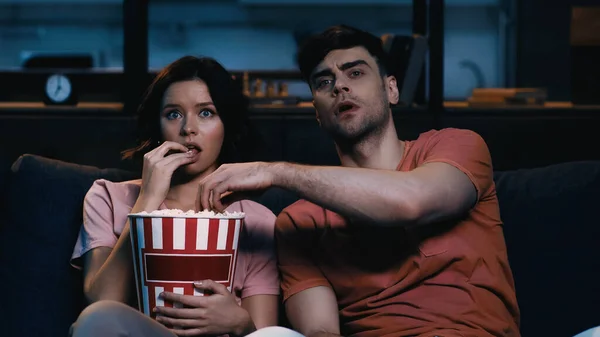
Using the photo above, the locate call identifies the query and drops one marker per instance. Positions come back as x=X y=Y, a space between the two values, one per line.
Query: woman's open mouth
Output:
x=193 y=148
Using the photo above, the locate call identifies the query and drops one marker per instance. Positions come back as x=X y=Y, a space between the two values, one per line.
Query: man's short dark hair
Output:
x=315 y=48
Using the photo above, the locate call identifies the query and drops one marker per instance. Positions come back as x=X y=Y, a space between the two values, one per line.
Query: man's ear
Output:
x=392 y=89
x=316 y=113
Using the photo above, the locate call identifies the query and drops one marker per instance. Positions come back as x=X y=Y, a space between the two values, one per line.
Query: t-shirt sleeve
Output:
x=262 y=277
x=98 y=227
x=465 y=150
x=294 y=239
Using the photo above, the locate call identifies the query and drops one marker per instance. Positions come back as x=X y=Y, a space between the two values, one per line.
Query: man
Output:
x=405 y=238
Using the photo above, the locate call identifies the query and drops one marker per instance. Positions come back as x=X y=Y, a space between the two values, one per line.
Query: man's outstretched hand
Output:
x=230 y=182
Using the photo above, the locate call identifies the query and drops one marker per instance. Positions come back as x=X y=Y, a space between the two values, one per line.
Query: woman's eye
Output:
x=206 y=113
x=173 y=114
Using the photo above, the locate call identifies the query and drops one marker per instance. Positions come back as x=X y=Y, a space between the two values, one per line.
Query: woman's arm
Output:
x=263 y=309
x=108 y=272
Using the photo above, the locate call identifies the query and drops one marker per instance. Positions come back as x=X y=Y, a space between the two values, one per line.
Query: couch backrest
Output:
x=38 y=230
x=552 y=232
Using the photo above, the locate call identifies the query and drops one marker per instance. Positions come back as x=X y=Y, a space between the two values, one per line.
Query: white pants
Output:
x=593 y=332
x=114 y=319
x=275 y=331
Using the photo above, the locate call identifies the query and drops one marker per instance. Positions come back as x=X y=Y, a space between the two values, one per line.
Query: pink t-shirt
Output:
x=105 y=210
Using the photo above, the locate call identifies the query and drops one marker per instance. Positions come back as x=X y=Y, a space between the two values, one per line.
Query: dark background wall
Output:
x=543 y=50
x=516 y=138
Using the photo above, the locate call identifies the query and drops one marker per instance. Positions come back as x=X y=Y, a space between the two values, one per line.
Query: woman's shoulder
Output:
x=124 y=191
x=112 y=186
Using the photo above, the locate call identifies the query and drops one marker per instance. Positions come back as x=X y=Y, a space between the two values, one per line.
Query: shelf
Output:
x=369 y=3
x=450 y=106
x=547 y=105
x=61 y=2
x=457 y=106
x=79 y=106
x=264 y=2
x=305 y=110
x=40 y=110
x=116 y=109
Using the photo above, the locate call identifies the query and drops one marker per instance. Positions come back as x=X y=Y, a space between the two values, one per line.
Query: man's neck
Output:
x=380 y=150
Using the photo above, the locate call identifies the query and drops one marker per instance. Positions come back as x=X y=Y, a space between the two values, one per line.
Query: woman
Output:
x=190 y=120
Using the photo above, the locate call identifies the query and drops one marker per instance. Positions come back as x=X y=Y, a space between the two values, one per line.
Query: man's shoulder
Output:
x=447 y=140
x=445 y=133
x=302 y=213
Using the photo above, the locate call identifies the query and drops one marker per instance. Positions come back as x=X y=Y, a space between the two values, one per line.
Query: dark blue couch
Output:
x=552 y=230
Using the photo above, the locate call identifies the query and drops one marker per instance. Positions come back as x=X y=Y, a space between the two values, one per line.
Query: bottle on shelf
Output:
x=258 y=88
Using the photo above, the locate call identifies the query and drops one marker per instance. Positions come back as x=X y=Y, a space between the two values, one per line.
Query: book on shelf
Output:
x=507 y=96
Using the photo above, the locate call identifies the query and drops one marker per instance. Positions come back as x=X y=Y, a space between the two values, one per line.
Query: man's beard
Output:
x=354 y=132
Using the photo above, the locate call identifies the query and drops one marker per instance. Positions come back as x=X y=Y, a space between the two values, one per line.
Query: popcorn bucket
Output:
x=170 y=252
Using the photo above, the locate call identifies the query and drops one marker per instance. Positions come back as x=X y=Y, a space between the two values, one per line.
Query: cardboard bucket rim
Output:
x=187 y=216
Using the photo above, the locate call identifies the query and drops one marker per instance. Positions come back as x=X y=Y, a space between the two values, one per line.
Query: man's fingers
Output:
x=216 y=196
x=210 y=200
x=200 y=201
x=207 y=188
x=205 y=197
x=210 y=185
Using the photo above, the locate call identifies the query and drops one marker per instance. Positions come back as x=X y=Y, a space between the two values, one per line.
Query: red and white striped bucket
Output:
x=171 y=252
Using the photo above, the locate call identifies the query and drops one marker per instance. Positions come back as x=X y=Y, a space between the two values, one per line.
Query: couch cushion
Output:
x=552 y=229
x=44 y=200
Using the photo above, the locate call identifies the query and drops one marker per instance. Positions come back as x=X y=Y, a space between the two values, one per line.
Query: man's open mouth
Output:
x=345 y=107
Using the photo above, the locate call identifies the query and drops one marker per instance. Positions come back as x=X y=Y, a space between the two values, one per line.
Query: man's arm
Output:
x=456 y=169
x=314 y=312
x=429 y=193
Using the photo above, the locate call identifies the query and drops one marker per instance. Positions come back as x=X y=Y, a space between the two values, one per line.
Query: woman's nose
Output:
x=189 y=128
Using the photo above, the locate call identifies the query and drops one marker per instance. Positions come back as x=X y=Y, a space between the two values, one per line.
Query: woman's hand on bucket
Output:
x=216 y=313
